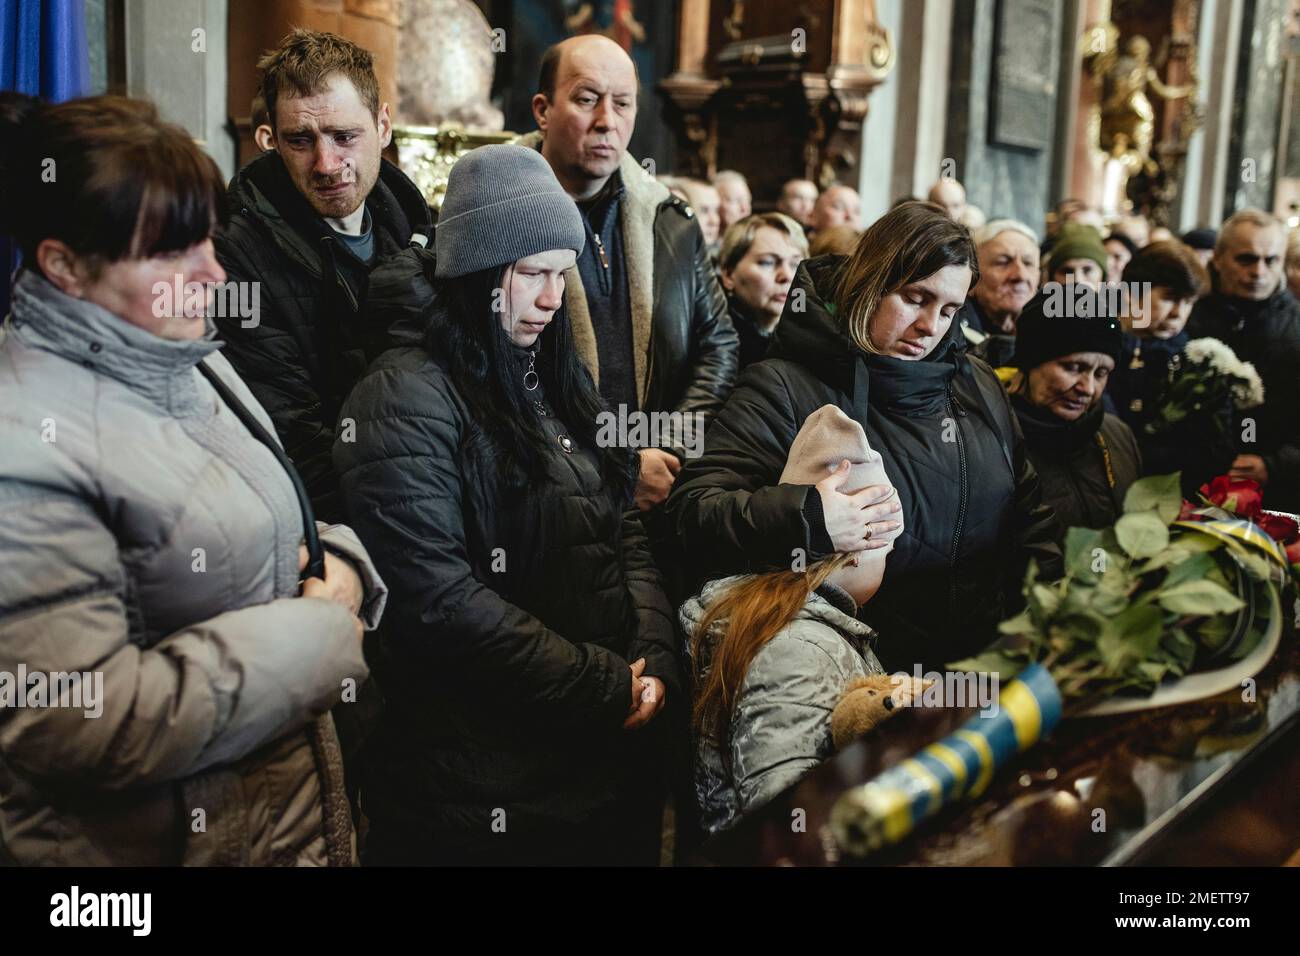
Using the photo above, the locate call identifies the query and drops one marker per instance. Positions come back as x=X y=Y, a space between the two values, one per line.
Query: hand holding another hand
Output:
x=859 y=521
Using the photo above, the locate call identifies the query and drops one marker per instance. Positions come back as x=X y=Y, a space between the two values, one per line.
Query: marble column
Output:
x=176 y=56
x=1253 y=156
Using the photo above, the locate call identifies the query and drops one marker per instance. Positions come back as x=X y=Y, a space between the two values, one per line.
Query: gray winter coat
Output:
x=781 y=727
x=147 y=537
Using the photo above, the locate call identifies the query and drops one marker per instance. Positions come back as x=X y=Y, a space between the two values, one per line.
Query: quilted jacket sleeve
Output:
x=781 y=727
x=207 y=694
x=727 y=507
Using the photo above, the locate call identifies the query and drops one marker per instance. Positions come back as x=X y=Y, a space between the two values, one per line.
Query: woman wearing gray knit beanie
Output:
x=529 y=650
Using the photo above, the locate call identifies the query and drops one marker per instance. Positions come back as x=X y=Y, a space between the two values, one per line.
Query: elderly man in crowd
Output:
x=706 y=202
x=1253 y=314
x=733 y=191
x=838 y=206
x=1008 y=259
x=951 y=196
x=798 y=197
x=649 y=317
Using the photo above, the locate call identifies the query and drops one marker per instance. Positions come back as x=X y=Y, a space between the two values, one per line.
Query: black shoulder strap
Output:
x=315 y=555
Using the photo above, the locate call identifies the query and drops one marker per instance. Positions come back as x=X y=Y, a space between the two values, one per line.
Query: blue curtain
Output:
x=43 y=52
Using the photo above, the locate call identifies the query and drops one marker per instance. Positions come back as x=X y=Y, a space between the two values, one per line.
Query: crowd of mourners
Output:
x=363 y=573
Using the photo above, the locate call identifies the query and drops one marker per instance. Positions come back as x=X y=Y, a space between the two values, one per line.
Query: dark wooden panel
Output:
x=765 y=18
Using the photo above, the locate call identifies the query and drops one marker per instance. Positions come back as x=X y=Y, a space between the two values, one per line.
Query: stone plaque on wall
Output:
x=1291 y=165
x=1024 y=73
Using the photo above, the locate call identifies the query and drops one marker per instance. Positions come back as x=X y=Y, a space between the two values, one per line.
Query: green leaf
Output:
x=1170 y=555
x=1196 y=541
x=1109 y=602
x=1179 y=650
x=1200 y=597
x=1142 y=534
x=1196 y=566
x=1161 y=494
x=990 y=662
x=1044 y=599
x=1140 y=627
x=1153 y=671
x=1265 y=595
x=1022 y=623
x=1129 y=637
x=1256 y=565
x=1080 y=552
x=1249 y=641
x=1213 y=632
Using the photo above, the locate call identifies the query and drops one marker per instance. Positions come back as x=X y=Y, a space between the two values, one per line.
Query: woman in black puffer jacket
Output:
x=872 y=333
x=529 y=639
x=1085 y=457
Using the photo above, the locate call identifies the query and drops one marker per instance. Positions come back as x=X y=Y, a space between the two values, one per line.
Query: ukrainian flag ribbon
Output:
x=890 y=806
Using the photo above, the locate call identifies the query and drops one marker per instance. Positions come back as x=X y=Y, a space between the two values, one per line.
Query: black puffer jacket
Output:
x=314 y=333
x=971 y=501
x=1266 y=334
x=512 y=624
x=1086 y=466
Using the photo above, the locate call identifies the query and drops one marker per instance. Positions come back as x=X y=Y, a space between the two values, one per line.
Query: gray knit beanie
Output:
x=503 y=203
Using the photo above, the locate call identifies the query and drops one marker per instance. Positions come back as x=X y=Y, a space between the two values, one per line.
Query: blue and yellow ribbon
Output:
x=887 y=808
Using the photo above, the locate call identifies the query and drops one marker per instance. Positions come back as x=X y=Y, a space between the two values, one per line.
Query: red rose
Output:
x=1278 y=527
x=1293 y=552
x=1239 y=496
x=1188 y=512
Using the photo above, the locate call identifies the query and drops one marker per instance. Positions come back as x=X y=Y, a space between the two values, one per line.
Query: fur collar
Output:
x=640 y=204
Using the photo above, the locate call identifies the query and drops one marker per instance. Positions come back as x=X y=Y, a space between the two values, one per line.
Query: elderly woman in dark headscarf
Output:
x=1085 y=458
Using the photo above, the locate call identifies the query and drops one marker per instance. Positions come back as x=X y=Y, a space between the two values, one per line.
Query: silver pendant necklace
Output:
x=531 y=378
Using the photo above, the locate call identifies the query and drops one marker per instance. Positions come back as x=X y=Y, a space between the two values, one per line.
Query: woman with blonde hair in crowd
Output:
x=756 y=264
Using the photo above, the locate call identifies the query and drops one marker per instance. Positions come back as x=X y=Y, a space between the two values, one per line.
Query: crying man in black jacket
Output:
x=312 y=221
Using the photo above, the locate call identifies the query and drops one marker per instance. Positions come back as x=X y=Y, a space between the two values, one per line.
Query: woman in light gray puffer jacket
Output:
x=149 y=542
x=773 y=654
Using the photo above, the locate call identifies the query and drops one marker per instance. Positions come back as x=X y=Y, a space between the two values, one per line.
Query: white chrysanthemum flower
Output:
x=1213 y=353
x=1248 y=387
